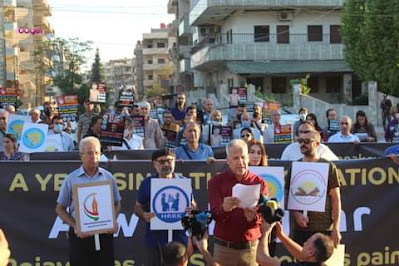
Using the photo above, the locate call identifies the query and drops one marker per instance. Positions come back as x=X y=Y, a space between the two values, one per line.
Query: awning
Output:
x=286 y=67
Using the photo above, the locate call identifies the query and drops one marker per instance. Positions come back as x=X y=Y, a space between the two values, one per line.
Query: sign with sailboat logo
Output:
x=94 y=207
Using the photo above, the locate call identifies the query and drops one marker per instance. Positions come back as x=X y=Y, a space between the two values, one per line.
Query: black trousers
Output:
x=82 y=252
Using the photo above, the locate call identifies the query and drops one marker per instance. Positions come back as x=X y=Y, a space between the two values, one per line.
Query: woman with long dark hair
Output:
x=10 y=152
x=257 y=153
x=312 y=118
x=363 y=127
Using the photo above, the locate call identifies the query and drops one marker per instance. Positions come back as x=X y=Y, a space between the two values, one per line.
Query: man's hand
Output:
x=250 y=214
x=202 y=244
x=394 y=158
x=279 y=230
x=147 y=216
x=300 y=219
x=82 y=235
x=210 y=160
x=336 y=236
x=5 y=252
x=266 y=227
x=229 y=203
x=113 y=230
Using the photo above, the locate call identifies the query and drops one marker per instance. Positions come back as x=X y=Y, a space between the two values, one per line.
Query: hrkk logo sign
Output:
x=170 y=204
x=91 y=210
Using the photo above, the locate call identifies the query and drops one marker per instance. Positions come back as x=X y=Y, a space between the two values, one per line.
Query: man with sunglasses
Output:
x=344 y=134
x=317 y=222
x=163 y=161
x=293 y=151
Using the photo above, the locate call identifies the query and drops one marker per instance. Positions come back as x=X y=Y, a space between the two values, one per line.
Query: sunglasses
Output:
x=305 y=141
x=246 y=135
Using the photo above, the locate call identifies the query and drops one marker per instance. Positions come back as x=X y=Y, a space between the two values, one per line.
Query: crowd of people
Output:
x=241 y=235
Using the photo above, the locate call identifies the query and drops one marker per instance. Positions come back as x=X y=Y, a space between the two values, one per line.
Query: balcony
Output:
x=245 y=47
x=155 y=51
x=184 y=26
x=205 y=10
x=148 y=83
x=185 y=52
x=153 y=66
x=185 y=65
x=42 y=22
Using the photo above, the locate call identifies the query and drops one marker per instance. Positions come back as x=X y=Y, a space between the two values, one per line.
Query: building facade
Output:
x=119 y=73
x=268 y=44
x=153 y=63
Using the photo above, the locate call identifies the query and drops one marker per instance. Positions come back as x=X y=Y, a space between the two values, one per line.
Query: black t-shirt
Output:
x=301 y=264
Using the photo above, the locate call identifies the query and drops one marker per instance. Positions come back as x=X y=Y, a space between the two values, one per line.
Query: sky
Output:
x=113 y=26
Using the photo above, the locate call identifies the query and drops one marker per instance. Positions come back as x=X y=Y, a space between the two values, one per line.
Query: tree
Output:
x=67 y=57
x=370 y=32
x=156 y=90
x=96 y=69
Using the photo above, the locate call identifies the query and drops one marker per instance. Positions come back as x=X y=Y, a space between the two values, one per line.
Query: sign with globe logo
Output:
x=169 y=200
x=15 y=124
x=33 y=138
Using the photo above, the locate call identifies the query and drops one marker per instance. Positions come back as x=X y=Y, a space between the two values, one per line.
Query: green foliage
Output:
x=265 y=97
x=370 y=32
x=156 y=90
x=96 y=69
x=303 y=82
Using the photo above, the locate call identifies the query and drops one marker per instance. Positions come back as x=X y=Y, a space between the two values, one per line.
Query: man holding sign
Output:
x=163 y=161
x=82 y=245
x=327 y=222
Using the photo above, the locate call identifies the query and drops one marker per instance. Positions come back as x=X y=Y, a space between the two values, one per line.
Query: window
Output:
x=335 y=36
x=315 y=33
x=149 y=62
x=230 y=83
x=149 y=45
x=161 y=61
x=333 y=84
x=161 y=45
x=150 y=77
x=279 y=85
x=313 y=83
x=283 y=34
x=262 y=34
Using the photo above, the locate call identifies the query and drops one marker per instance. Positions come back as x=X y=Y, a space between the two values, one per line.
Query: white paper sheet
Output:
x=247 y=194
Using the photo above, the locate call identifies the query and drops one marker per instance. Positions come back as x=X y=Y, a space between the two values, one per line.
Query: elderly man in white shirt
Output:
x=344 y=134
x=293 y=151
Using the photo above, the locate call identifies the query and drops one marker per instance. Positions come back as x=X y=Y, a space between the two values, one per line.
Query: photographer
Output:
x=315 y=251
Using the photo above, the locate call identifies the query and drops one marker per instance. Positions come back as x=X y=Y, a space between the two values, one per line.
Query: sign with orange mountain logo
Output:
x=308 y=186
x=94 y=205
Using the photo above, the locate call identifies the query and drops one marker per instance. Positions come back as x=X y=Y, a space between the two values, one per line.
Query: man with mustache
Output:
x=324 y=222
x=163 y=161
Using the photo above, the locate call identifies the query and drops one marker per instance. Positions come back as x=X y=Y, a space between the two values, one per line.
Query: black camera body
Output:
x=269 y=208
x=197 y=223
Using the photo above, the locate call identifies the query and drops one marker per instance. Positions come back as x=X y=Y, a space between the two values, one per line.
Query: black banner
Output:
x=273 y=151
x=370 y=196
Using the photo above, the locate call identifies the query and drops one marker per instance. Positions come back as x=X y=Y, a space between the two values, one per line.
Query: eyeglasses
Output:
x=59 y=123
x=305 y=141
x=169 y=161
x=91 y=153
x=344 y=123
x=246 y=135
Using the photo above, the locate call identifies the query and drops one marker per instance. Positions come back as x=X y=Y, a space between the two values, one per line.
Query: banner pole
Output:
x=170 y=235
x=97 y=242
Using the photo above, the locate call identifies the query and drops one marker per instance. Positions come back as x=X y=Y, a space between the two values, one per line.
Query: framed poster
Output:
x=169 y=200
x=308 y=186
x=94 y=207
x=34 y=137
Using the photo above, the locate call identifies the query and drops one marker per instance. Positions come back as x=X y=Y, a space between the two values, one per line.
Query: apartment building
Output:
x=117 y=73
x=269 y=43
x=153 y=62
x=181 y=52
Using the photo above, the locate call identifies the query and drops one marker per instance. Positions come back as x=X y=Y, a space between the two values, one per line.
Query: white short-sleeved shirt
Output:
x=338 y=137
x=293 y=153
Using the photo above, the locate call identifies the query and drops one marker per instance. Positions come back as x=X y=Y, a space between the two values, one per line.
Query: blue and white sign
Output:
x=169 y=200
x=274 y=177
x=15 y=124
x=33 y=138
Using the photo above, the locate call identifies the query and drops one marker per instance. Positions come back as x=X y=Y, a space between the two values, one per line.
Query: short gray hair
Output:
x=34 y=110
x=87 y=140
x=144 y=104
x=347 y=118
x=237 y=143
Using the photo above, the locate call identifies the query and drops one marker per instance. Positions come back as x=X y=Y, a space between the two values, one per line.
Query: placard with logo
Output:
x=333 y=127
x=15 y=124
x=112 y=129
x=216 y=136
x=308 y=186
x=139 y=125
x=242 y=92
x=227 y=133
x=98 y=93
x=33 y=138
x=170 y=138
x=94 y=207
x=8 y=96
x=274 y=177
x=54 y=143
x=126 y=96
x=283 y=134
x=67 y=106
x=169 y=200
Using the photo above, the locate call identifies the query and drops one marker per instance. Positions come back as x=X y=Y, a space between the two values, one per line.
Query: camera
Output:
x=197 y=223
x=269 y=208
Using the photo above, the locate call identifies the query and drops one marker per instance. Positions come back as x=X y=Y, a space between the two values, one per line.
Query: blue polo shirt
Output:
x=203 y=152
x=156 y=238
x=393 y=149
x=177 y=114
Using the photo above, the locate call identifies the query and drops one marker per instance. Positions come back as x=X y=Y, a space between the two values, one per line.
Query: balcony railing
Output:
x=199 y=7
x=267 y=47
